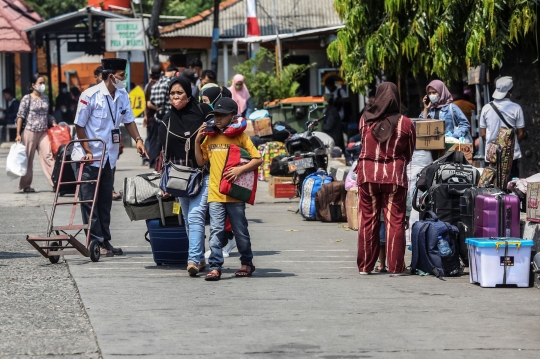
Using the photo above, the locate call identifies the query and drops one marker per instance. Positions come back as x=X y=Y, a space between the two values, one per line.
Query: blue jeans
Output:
x=194 y=213
x=237 y=215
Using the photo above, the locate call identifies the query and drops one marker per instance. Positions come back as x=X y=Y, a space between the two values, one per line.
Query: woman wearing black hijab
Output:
x=181 y=125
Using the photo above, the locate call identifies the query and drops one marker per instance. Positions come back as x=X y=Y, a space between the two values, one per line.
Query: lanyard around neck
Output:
x=110 y=110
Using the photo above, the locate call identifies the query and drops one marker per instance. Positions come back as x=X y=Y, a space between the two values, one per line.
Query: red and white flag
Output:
x=252 y=22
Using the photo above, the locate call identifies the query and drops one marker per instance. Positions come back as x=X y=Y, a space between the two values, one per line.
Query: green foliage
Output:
x=431 y=37
x=187 y=8
x=51 y=8
x=266 y=85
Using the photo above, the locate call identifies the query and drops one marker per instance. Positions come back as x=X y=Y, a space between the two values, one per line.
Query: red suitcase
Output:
x=496 y=216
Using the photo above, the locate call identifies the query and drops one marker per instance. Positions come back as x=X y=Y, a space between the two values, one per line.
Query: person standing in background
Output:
x=152 y=142
x=34 y=114
x=10 y=112
x=159 y=96
x=207 y=77
x=512 y=114
x=196 y=66
x=240 y=94
x=460 y=101
x=97 y=74
x=388 y=141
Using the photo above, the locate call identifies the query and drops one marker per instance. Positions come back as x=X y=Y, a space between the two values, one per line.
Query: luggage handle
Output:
x=515 y=243
x=431 y=213
x=456 y=191
x=146 y=236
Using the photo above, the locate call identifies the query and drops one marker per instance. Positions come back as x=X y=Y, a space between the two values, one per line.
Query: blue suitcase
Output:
x=168 y=239
x=170 y=243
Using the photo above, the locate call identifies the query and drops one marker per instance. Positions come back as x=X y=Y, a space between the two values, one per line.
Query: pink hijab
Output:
x=241 y=97
x=446 y=97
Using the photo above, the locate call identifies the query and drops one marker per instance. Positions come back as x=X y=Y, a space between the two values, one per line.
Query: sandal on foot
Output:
x=245 y=272
x=116 y=196
x=213 y=276
x=380 y=269
x=29 y=190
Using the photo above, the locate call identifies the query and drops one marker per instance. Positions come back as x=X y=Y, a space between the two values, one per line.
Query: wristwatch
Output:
x=138 y=138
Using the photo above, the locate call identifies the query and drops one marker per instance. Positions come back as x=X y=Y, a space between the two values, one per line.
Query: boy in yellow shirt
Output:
x=215 y=149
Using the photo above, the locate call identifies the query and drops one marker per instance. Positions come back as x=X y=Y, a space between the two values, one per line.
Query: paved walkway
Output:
x=306 y=299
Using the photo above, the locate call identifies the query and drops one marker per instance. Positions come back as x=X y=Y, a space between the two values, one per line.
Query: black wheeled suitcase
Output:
x=443 y=200
x=168 y=239
x=67 y=176
x=466 y=224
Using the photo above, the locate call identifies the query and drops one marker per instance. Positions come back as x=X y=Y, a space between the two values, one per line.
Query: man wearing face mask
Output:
x=101 y=110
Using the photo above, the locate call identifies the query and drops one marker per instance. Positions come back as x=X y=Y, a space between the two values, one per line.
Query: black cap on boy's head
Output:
x=225 y=105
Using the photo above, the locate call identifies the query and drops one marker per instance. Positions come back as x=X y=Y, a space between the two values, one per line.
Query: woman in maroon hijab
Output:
x=388 y=141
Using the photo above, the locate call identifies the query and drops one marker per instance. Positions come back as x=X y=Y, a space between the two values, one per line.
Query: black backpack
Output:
x=453 y=168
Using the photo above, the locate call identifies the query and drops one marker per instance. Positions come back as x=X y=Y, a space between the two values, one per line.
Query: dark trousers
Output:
x=153 y=147
x=101 y=219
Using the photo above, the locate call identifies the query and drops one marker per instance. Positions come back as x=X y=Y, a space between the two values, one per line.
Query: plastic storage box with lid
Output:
x=499 y=261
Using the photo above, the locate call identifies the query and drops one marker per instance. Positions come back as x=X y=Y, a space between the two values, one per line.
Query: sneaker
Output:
x=229 y=247
x=192 y=269
x=116 y=251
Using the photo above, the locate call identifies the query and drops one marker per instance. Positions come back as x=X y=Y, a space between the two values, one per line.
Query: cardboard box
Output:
x=263 y=127
x=250 y=131
x=533 y=202
x=429 y=134
x=466 y=148
x=281 y=187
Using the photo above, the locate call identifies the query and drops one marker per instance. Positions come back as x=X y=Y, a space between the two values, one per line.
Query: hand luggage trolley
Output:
x=58 y=241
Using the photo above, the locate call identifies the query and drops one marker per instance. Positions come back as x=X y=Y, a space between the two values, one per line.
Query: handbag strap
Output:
x=501 y=115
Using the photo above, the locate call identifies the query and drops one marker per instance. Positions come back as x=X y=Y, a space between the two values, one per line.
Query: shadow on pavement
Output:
x=13 y=255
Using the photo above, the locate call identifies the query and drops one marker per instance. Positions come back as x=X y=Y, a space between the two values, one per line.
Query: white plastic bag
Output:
x=16 y=161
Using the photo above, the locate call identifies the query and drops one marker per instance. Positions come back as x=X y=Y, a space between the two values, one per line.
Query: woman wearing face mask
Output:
x=241 y=96
x=34 y=114
x=179 y=126
x=211 y=95
x=438 y=105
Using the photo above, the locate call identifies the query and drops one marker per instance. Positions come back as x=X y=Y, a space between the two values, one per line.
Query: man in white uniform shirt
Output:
x=101 y=110
x=490 y=121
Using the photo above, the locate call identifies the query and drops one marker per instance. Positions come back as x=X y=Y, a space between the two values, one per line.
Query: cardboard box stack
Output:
x=281 y=187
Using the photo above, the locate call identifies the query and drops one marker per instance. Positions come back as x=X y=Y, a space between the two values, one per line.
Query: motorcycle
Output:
x=307 y=151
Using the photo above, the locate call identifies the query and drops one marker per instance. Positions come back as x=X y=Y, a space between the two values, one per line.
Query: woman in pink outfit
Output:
x=240 y=95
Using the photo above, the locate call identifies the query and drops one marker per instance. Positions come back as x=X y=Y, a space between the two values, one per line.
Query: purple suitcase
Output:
x=496 y=216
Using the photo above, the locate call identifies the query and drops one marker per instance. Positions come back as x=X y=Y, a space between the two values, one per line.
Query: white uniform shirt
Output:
x=512 y=113
x=94 y=115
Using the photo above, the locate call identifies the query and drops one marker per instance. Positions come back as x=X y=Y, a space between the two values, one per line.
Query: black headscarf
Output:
x=225 y=92
x=183 y=124
x=213 y=94
x=385 y=112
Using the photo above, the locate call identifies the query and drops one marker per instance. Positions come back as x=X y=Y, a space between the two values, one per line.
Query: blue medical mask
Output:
x=211 y=105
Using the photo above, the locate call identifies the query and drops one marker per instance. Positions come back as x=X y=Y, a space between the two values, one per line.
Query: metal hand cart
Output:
x=62 y=239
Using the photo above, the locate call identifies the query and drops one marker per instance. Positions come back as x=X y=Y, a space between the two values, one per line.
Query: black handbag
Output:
x=180 y=181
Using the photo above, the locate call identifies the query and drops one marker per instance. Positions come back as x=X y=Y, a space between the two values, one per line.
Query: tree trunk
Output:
x=215 y=38
x=153 y=31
